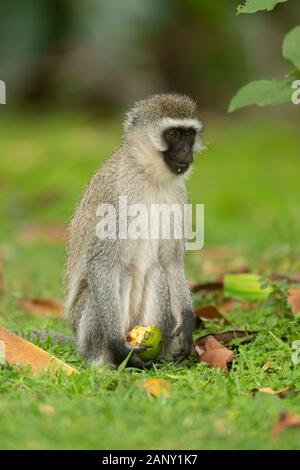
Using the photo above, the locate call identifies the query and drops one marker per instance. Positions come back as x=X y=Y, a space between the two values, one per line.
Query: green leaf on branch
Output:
x=252 y=6
x=262 y=93
x=291 y=46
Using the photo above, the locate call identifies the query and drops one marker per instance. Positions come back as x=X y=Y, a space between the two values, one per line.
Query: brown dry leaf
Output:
x=21 y=351
x=41 y=307
x=226 y=337
x=286 y=420
x=294 y=300
x=281 y=393
x=214 y=354
x=156 y=387
x=209 y=312
x=33 y=232
x=207 y=286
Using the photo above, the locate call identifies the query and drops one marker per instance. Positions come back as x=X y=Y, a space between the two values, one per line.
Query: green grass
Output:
x=248 y=180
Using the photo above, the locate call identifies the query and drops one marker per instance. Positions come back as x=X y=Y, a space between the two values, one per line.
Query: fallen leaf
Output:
x=34 y=232
x=208 y=286
x=209 y=312
x=156 y=387
x=21 y=351
x=2 y=353
x=214 y=353
x=286 y=420
x=41 y=307
x=226 y=337
x=281 y=393
x=294 y=300
x=266 y=366
x=47 y=409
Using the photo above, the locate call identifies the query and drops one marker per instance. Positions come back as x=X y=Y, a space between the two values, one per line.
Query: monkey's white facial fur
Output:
x=149 y=127
x=162 y=160
x=156 y=131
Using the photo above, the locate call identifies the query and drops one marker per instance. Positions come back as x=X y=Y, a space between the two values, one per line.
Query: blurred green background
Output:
x=103 y=54
x=72 y=68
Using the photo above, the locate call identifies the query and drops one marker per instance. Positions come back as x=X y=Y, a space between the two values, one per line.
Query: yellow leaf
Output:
x=156 y=387
x=47 y=409
x=21 y=351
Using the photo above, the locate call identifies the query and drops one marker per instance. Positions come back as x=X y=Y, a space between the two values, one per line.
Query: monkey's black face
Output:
x=179 y=154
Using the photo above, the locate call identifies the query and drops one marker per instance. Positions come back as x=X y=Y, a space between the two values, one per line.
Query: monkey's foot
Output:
x=177 y=330
x=185 y=342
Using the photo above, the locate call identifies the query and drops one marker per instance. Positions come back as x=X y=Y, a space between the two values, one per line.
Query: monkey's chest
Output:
x=145 y=253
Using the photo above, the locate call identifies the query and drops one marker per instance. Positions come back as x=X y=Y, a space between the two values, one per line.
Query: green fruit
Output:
x=148 y=336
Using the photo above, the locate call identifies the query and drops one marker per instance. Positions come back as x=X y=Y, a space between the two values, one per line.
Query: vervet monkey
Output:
x=115 y=284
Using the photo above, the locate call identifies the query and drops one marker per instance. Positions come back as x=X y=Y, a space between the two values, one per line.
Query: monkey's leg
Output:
x=90 y=335
x=181 y=306
x=99 y=335
x=155 y=307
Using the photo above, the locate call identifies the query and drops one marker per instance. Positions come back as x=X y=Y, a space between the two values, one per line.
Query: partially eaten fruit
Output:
x=147 y=336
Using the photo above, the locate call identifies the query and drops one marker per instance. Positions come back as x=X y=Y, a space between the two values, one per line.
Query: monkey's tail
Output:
x=43 y=336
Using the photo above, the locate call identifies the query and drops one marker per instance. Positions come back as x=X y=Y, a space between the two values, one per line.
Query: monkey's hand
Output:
x=135 y=360
x=184 y=332
x=121 y=351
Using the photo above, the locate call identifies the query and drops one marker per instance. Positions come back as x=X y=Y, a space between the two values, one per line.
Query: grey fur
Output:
x=100 y=272
x=158 y=106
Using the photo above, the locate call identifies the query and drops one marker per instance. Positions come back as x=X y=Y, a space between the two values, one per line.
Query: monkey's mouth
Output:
x=178 y=168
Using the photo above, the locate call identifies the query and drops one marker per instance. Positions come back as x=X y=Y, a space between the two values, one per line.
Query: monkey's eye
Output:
x=188 y=133
x=172 y=134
